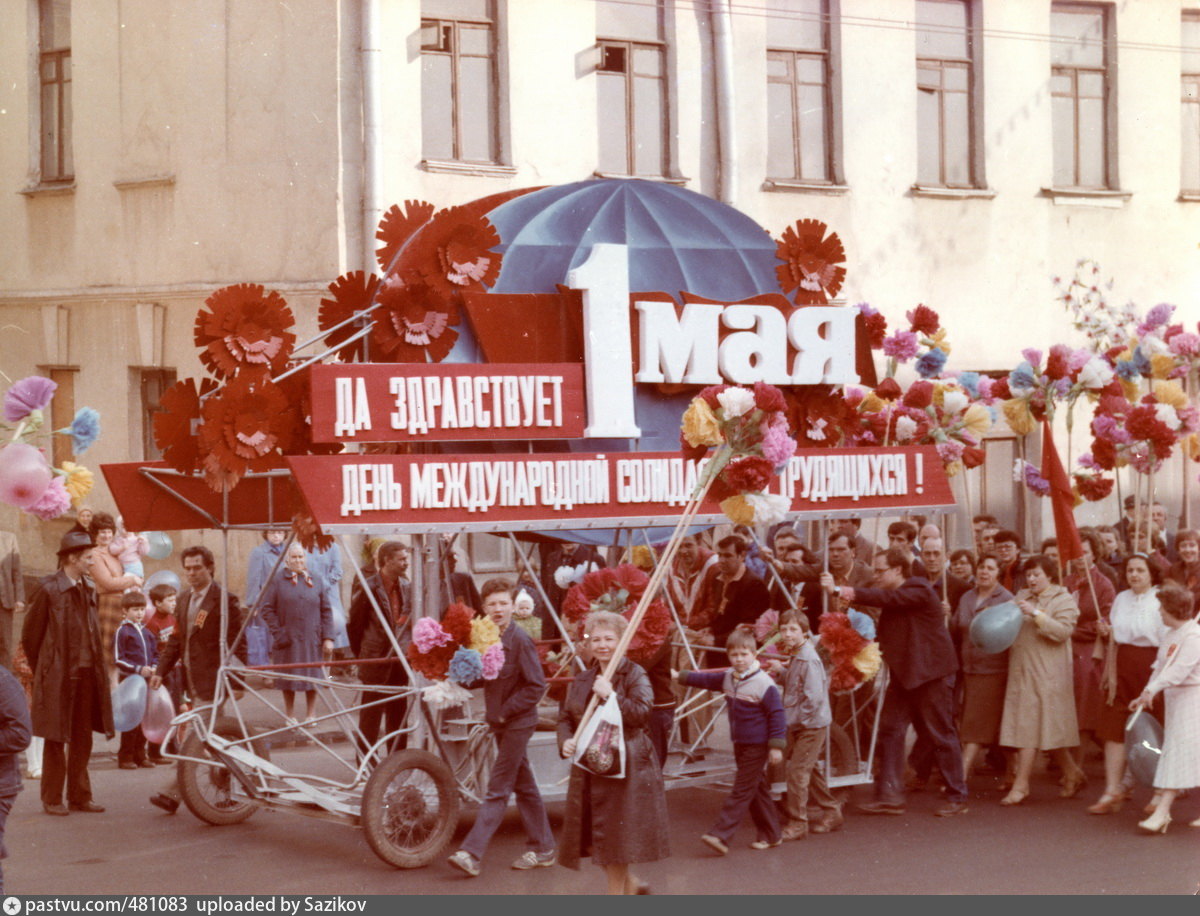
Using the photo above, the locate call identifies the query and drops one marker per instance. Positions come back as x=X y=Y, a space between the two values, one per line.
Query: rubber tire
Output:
x=194 y=777
x=384 y=814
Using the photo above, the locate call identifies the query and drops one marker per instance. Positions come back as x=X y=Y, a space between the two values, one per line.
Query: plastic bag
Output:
x=601 y=747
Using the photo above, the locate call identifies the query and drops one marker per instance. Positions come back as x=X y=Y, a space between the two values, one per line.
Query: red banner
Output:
x=413 y=493
x=424 y=402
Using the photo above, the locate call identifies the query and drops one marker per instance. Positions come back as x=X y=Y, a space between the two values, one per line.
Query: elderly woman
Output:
x=1177 y=674
x=1186 y=572
x=962 y=566
x=297 y=610
x=1131 y=640
x=1039 y=701
x=111 y=581
x=618 y=822
x=984 y=675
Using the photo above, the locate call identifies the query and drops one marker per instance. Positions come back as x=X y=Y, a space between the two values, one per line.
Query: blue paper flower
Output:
x=1022 y=380
x=931 y=363
x=970 y=383
x=466 y=666
x=84 y=429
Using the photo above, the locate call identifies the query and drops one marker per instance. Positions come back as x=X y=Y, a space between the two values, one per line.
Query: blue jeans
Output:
x=929 y=708
x=511 y=773
x=750 y=792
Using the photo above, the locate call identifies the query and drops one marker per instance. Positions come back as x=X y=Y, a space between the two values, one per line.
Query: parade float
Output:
x=614 y=362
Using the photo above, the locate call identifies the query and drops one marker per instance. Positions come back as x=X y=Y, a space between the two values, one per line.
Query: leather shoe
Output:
x=952 y=808
x=59 y=810
x=829 y=822
x=166 y=802
x=881 y=807
x=87 y=807
x=127 y=765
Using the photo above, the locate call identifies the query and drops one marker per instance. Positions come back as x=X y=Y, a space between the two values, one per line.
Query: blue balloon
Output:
x=1143 y=746
x=995 y=628
x=129 y=703
x=163 y=577
x=161 y=545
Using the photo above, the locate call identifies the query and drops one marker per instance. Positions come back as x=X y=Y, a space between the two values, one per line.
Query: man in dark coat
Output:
x=731 y=594
x=61 y=637
x=510 y=705
x=369 y=640
x=920 y=657
x=195 y=643
x=15 y=731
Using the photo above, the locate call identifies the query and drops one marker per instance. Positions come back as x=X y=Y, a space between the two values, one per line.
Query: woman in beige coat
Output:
x=1039 y=701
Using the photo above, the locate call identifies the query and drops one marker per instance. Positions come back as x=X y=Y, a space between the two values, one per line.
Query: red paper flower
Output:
x=924 y=320
x=175 y=422
x=309 y=533
x=297 y=388
x=434 y=664
x=1093 y=488
x=768 y=398
x=973 y=457
x=809 y=262
x=889 y=389
x=820 y=416
x=603 y=589
x=751 y=474
x=1000 y=390
x=919 y=395
x=398 y=226
x=457 y=622
x=244 y=328
x=453 y=252
x=710 y=395
x=412 y=324
x=244 y=424
x=1058 y=362
x=876 y=327
x=1105 y=453
x=352 y=293
x=840 y=643
x=691 y=452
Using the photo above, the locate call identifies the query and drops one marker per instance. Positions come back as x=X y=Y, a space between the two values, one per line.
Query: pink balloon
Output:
x=159 y=713
x=24 y=475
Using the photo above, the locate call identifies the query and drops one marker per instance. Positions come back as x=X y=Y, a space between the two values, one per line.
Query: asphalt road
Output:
x=1047 y=846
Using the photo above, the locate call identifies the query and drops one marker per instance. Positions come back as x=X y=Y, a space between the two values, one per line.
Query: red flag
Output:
x=1062 y=499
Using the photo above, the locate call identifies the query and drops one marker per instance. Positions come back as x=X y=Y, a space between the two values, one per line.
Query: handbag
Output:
x=601 y=747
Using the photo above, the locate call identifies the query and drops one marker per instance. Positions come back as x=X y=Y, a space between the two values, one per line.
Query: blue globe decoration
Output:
x=1143 y=746
x=995 y=628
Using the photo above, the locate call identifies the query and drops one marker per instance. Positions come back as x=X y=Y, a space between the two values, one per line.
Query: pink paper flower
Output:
x=902 y=345
x=493 y=661
x=777 y=446
x=55 y=500
x=428 y=634
x=26 y=396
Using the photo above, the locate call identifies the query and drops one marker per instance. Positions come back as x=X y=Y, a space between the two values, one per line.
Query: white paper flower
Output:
x=736 y=401
x=443 y=694
x=566 y=576
x=1167 y=416
x=906 y=428
x=768 y=507
x=1095 y=374
x=954 y=400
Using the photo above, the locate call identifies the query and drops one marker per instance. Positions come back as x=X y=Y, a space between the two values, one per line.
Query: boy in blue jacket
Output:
x=758 y=728
x=136 y=653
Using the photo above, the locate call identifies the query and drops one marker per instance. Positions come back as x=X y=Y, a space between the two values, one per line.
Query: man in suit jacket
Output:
x=370 y=640
x=510 y=707
x=920 y=657
x=196 y=642
x=12 y=594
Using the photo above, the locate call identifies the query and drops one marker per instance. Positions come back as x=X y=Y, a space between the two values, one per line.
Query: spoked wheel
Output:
x=207 y=789
x=410 y=808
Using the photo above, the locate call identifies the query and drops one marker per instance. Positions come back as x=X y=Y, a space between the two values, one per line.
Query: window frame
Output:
x=149 y=379
x=1111 y=183
x=59 y=57
x=973 y=64
x=500 y=163
x=831 y=52
x=1187 y=77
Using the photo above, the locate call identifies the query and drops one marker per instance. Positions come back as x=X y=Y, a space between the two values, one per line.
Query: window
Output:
x=1190 y=116
x=632 y=89
x=799 y=107
x=153 y=384
x=945 y=95
x=62 y=411
x=459 y=98
x=1081 y=97
x=54 y=80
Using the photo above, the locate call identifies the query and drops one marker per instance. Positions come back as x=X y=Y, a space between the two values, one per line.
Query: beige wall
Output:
x=219 y=142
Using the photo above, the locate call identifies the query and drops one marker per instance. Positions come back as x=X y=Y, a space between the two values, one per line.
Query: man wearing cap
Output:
x=61 y=638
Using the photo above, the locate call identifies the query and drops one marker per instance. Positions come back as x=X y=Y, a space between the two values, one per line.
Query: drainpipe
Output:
x=372 y=208
x=727 y=153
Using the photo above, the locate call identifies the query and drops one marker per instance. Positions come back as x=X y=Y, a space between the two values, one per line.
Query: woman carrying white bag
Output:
x=619 y=819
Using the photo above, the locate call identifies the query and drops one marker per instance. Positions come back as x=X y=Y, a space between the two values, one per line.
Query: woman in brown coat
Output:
x=1039 y=700
x=111 y=582
x=618 y=822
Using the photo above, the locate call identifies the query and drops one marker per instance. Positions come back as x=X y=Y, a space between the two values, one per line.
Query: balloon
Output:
x=1143 y=746
x=160 y=545
x=163 y=577
x=995 y=628
x=159 y=713
x=24 y=474
x=129 y=703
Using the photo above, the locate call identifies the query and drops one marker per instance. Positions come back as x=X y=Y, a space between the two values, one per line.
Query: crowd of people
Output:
x=1101 y=637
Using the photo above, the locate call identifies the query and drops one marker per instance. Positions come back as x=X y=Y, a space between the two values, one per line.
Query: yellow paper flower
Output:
x=1170 y=392
x=1191 y=446
x=700 y=425
x=872 y=403
x=484 y=633
x=79 y=481
x=954 y=468
x=1161 y=365
x=737 y=510
x=938 y=341
x=1019 y=417
x=977 y=420
x=868 y=660
x=1132 y=392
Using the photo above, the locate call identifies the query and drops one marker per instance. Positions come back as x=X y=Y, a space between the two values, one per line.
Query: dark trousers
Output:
x=511 y=773
x=6 y=803
x=929 y=708
x=7 y=646
x=391 y=713
x=662 y=718
x=69 y=763
x=133 y=746
x=751 y=792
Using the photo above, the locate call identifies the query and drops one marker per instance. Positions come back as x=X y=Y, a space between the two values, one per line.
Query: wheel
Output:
x=207 y=788
x=410 y=808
